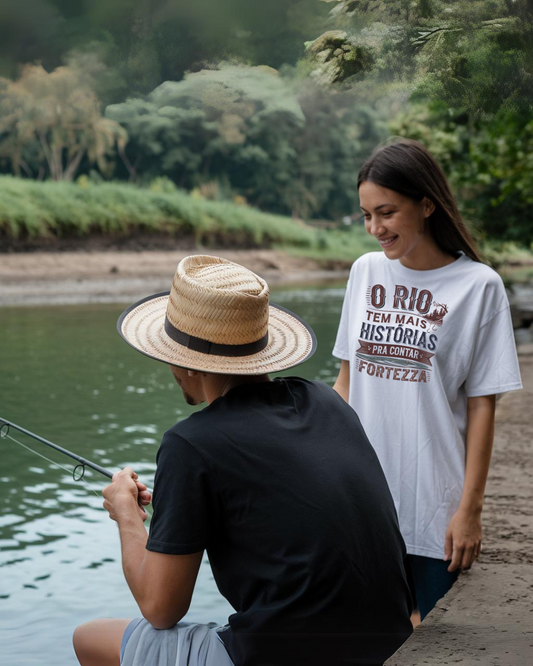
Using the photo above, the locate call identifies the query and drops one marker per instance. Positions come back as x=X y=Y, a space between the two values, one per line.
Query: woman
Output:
x=426 y=343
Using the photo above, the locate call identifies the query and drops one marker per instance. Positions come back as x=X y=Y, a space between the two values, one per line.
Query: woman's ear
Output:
x=428 y=206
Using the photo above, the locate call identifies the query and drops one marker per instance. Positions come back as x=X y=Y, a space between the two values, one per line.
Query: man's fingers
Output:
x=127 y=471
x=145 y=497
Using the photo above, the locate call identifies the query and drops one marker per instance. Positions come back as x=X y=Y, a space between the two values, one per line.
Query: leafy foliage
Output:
x=52 y=121
x=144 y=43
x=473 y=55
x=194 y=102
x=30 y=208
x=59 y=209
x=490 y=168
x=286 y=147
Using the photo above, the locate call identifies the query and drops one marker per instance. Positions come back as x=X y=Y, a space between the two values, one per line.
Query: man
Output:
x=274 y=479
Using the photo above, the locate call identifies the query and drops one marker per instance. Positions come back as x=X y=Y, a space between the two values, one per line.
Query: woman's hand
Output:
x=463 y=539
x=463 y=536
x=125 y=494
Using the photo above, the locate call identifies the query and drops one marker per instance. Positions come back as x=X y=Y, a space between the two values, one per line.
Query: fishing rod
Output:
x=5 y=426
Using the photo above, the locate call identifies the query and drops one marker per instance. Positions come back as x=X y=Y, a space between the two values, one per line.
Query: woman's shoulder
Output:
x=479 y=272
x=486 y=283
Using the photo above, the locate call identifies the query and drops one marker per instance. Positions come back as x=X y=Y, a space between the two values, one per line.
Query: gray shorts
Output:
x=182 y=645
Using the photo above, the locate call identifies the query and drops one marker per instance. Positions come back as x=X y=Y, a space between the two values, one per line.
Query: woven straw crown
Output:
x=218 y=301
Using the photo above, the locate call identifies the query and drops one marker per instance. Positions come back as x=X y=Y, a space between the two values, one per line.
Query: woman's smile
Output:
x=388 y=241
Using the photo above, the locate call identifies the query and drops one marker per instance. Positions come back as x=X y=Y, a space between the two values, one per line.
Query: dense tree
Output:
x=456 y=75
x=282 y=143
x=147 y=42
x=51 y=121
x=475 y=56
x=490 y=168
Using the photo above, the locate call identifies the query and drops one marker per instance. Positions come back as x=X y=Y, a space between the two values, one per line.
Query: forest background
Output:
x=243 y=124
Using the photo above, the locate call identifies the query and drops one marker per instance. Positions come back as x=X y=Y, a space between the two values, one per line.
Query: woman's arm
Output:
x=463 y=537
x=342 y=385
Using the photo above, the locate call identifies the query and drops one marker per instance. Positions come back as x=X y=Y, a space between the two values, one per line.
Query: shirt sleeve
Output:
x=341 y=348
x=494 y=368
x=182 y=499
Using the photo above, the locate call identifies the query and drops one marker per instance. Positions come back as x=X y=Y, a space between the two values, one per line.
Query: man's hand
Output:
x=463 y=539
x=126 y=494
x=161 y=584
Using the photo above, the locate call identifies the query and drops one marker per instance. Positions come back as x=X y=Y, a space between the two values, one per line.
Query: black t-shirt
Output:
x=279 y=483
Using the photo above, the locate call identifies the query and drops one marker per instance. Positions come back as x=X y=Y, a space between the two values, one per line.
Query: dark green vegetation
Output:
x=274 y=105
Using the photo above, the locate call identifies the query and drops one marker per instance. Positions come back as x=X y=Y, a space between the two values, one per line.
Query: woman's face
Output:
x=398 y=223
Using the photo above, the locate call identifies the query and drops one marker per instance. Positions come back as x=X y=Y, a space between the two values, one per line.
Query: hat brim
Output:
x=291 y=341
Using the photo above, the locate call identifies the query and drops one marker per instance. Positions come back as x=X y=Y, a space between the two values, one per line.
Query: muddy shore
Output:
x=46 y=278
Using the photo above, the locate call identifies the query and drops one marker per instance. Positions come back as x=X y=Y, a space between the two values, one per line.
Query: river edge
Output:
x=486 y=618
x=80 y=277
x=68 y=278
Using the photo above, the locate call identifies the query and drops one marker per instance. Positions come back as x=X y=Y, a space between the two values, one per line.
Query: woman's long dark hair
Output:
x=407 y=167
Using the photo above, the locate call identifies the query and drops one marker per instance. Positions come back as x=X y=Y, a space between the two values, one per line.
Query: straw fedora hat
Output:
x=217 y=318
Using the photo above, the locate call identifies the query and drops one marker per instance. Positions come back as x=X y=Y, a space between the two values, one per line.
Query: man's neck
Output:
x=216 y=386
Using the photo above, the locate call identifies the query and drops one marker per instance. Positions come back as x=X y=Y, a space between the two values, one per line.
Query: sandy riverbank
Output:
x=42 y=278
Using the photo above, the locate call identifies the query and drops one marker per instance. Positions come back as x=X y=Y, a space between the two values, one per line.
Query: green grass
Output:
x=42 y=209
x=45 y=210
x=32 y=209
x=337 y=246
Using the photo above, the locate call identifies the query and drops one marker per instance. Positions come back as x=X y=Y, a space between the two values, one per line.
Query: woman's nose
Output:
x=374 y=227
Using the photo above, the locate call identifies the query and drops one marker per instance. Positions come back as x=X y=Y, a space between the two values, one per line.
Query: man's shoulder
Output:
x=313 y=389
x=183 y=431
x=225 y=410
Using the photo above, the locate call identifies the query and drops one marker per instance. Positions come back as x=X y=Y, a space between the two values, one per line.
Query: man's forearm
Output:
x=133 y=538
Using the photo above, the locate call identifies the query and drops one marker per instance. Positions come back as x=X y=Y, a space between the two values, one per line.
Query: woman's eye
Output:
x=387 y=214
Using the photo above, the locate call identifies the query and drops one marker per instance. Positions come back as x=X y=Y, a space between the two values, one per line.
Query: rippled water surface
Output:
x=66 y=375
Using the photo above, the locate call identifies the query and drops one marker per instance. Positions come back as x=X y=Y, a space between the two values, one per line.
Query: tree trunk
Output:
x=129 y=166
x=58 y=162
x=72 y=167
x=47 y=153
x=26 y=168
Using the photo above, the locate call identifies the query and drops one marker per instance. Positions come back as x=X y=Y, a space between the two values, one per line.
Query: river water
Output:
x=66 y=375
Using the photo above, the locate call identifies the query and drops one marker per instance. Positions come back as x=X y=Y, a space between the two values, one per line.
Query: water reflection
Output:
x=68 y=376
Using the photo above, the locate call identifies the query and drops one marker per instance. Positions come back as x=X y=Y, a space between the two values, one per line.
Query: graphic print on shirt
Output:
x=397 y=339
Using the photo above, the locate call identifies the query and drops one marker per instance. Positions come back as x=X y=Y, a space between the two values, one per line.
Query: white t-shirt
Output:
x=419 y=344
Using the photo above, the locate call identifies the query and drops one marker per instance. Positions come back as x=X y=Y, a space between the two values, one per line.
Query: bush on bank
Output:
x=36 y=210
x=43 y=210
